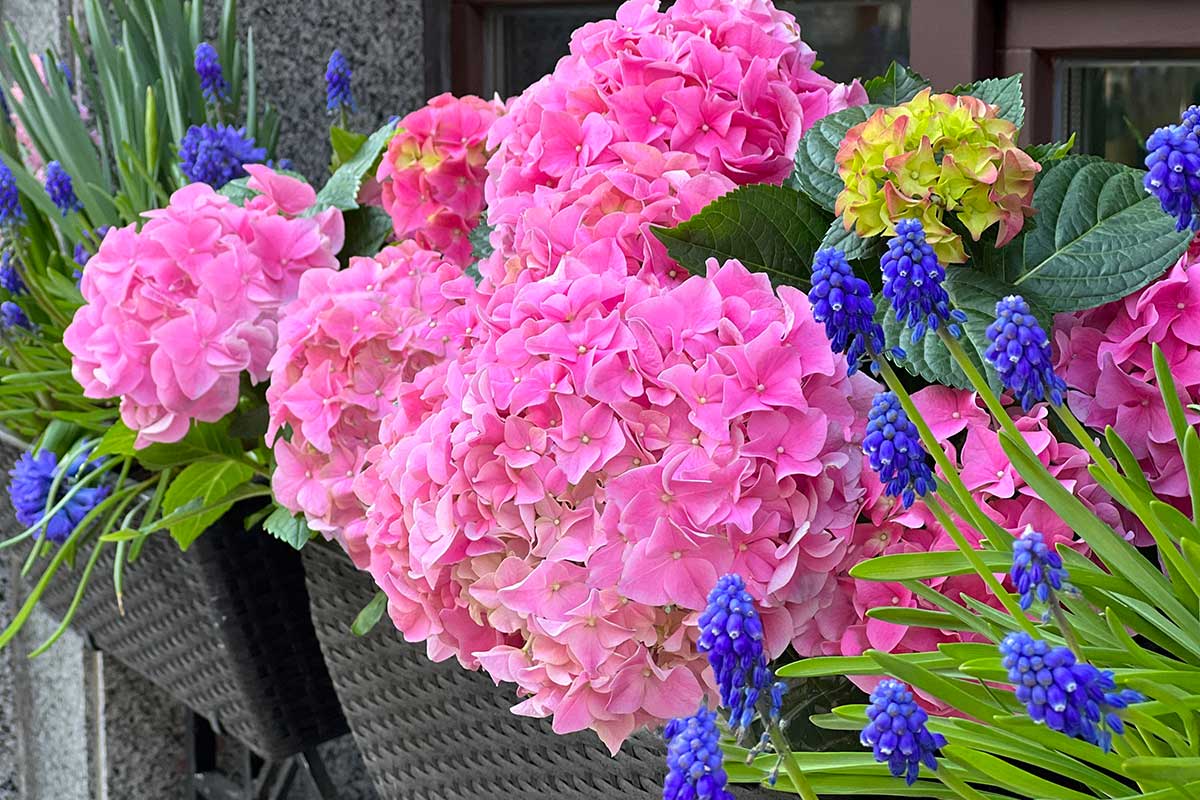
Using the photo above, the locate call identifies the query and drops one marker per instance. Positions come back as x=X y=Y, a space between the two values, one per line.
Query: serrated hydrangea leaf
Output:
x=816 y=167
x=1053 y=151
x=853 y=246
x=288 y=527
x=341 y=190
x=367 y=228
x=898 y=85
x=770 y=229
x=202 y=484
x=1098 y=237
x=481 y=243
x=973 y=293
x=1004 y=93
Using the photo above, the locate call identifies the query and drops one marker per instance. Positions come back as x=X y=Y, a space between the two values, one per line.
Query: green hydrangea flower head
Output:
x=936 y=154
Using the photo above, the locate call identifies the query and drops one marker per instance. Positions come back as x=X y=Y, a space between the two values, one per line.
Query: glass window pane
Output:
x=1113 y=105
x=526 y=42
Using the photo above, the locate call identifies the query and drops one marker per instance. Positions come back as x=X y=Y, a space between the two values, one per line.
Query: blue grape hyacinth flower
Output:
x=13 y=317
x=912 y=283
x=893 y=446
x=213 y=85
x=337 y=83
x=1037 y=570
x=731 y=632
x=61 y=189
x=695 y=762
x=29 y=491
x=896 y=731
x=10 y=276
x=214 y=154
x=1063 y=693
x=842 y=301
x=1173 y=170
x=1019 y=349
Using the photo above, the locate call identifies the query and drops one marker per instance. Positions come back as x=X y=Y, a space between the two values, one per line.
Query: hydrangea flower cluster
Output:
x=934 y=154
x=217 y=154
x=60 y=189
x=1037 y=571
x=1104 y=355
x=1019 y=350
x=912 y=283
x=843 y=303
x=695 y=761
x=896 y=731
x=32 y=479
x=893 y=447
x=213 y=85
x=1063 y=693
x=1173 y=169
x=731 y=632
x=177 y=311
x=601 y=458
x=431 y=178
x=346 y=344
x=650 y=116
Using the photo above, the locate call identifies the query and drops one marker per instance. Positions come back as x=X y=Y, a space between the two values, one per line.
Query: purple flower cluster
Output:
x=912 y=282
x=61 y=189
x=215 y=154
x=695 y=763
x=1037 y=570
x=842 y=301
x=1019 y=349
x=1173 y=169
x=893 y=446
x=213 y=85
x=29 y=490
x=896 y=731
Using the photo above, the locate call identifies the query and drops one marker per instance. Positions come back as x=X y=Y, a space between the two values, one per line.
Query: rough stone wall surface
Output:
x=10 y=786
x=292 y=42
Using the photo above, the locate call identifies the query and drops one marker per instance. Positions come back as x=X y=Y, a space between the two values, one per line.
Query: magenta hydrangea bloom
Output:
x=431 y=178
x=177 y=311
x=347 y=345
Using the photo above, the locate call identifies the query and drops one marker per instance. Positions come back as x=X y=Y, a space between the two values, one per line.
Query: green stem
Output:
x=1064 y=624
x=790 y=765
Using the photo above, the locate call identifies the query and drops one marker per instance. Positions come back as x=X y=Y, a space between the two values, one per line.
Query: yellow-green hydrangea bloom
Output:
x=937 y=153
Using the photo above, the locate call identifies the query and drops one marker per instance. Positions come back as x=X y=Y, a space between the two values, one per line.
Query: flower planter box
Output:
x=223 y=628
x=430 y=731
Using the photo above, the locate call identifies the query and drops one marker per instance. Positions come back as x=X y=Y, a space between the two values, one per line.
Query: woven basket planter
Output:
x=223 y=628
x=431 y=731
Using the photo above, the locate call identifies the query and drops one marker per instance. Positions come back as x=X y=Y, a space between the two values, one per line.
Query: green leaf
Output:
x=201 y=484
x=366 y=231
x=969 y=698
x=1004 y=93
x=857 y=665
x=288 y=527
x=344 y=144
x=369 y=617
x=1011 y=777
x=898 y=85
x=341 y=190
x=203 y=441
x=918 y=618
x=237 y=191
x=1054 y=151
x=770 y=229
x=117 y=441
x=919 y=566
x=1172 y=770
x=1098 y=237
x=853 y=246
x=816 y=172
x=975 y=294
x=481 y=244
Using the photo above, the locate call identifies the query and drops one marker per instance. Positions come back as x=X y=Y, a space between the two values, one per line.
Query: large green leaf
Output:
x=1097 y=237
x=816 y=167
x=853 y=246
x=204 y=440
x=366 y=230
x=975 y=294
x=202 y=484
x=898 y=85
x=770 y=229
x=1004 y=93
x=341 y=191
x=288 y=527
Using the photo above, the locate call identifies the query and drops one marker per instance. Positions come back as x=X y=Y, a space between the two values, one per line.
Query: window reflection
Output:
x=1114 y=105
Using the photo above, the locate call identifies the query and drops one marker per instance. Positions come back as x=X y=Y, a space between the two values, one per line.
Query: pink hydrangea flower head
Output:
x=431 y=177
x=350 y=344
x=177 y=311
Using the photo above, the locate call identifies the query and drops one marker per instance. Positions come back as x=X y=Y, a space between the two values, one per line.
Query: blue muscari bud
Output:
x=842 y=301
x=1063 y=693
x=1037 y=570
x=13 y=317
x=29 y=491
x=215 y=154
x=10 y=199
x=10 y=277
x=1173 y=170
x=212 y=79
x=896 y=731
x=1019 y=350
x=337 y=83
x=893 y=446
x=731 y=633
x=912 y=282
x=695 y=762
x=61 y=189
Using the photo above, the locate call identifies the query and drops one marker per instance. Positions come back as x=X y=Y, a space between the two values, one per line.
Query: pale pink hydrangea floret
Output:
x=349 y=345
x=599 y=461
x=1105 y=357
x=177 y=311
x=431 y=177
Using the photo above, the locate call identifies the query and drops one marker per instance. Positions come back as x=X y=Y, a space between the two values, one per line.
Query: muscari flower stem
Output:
x=790 y=765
